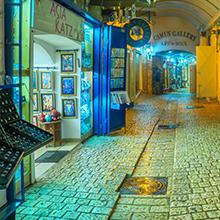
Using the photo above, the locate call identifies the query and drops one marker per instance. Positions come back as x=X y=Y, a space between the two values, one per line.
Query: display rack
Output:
x=10 y=158
x=117 y=69
x=18 y=138
x=21 y=134
x=119 y=100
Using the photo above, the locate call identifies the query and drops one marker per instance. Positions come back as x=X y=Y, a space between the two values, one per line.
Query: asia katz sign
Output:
x=53 y=18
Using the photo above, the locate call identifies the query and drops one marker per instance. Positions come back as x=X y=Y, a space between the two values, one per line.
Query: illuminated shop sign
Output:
x=139 y=32
x=182 y=34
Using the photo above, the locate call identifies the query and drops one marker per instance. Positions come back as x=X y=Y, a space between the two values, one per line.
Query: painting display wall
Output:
x=43 y=98
x=68 y=84
x=61 y=87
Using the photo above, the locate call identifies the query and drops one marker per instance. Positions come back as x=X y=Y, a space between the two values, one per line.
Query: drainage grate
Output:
x=194 y=106
x=144 y=186
x=169 y=126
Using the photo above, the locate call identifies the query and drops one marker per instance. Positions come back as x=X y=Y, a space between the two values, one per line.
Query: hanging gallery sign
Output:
x=138 y=32
x=171 y=33
x=53 y=18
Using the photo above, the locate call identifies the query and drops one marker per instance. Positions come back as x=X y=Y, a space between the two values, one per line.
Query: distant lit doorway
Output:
x=174 y=71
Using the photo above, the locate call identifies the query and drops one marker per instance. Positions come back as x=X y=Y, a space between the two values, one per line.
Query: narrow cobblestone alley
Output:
x=84 y=184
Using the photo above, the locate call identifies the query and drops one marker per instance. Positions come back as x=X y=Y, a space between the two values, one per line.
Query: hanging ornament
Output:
x=127 y=16
x=121 y=16
x=133 y=11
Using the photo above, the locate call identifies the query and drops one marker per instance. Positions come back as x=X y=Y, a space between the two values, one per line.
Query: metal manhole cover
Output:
x=194 y=106
x=169 y=126
x=144 y=186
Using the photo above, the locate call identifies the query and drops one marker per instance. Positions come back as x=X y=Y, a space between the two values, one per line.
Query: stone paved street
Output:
x=84 y=184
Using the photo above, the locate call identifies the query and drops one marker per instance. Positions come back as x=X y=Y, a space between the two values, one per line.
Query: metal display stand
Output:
x=18 y=138
x=117 y=77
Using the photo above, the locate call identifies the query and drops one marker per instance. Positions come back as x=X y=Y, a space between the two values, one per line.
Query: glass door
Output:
x=86 y=109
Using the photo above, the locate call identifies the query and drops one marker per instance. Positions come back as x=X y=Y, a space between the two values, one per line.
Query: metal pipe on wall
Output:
x=2 y=67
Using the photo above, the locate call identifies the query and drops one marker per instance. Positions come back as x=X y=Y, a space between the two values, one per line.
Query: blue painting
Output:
x=67 y=63
x=35 y=80
x=68 y=85
x=69 y=108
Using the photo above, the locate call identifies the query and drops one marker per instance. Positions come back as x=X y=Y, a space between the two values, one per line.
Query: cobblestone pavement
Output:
x=84 y=185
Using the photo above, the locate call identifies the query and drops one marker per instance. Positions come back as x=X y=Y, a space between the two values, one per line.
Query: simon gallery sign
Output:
x=174 y=34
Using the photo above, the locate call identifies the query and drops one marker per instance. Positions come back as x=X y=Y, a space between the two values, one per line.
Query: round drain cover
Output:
x=144 y=186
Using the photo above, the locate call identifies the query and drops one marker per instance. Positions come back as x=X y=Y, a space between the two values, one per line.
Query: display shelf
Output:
x=30 y=130
x=120 y=67
x=17 y=132
x=121 y=107
x=10 y=158
x=117 y=69
x=120 y=100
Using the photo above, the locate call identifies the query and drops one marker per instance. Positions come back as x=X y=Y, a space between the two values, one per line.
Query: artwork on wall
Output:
x=68 y=62
x=35 y=81
x=68 y=85
x=35 y=121
x=47 y=101
x=118 y=52
x=35 y=102
x=87 y=47
x=47 y=80
x=69 y=108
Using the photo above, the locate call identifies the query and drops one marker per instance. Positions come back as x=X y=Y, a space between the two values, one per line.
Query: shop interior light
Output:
x=148 y=50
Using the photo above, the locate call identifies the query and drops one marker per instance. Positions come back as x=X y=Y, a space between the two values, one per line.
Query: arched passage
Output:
x=174 y=70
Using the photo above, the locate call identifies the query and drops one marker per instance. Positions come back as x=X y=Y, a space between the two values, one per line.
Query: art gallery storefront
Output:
x=61 y=73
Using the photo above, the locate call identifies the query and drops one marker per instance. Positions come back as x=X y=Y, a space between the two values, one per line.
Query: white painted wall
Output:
x=172 y=42
x=1 y=39
x=43 y=57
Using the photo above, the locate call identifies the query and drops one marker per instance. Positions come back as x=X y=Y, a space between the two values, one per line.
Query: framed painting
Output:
x=47 y=81
x=69 y=108
x=35 y=102
x=35 y=121
x=68 y=63
x=47 y=101
x=35 y=81
x=68 y=85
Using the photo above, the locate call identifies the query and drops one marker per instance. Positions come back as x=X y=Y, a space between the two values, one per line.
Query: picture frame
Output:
x=69 y=108
x=46 y=80
x=35 y=83
x=68 y=62
x=47 y=101
x=35 y=102
x=35 y=120
x=68 y=85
